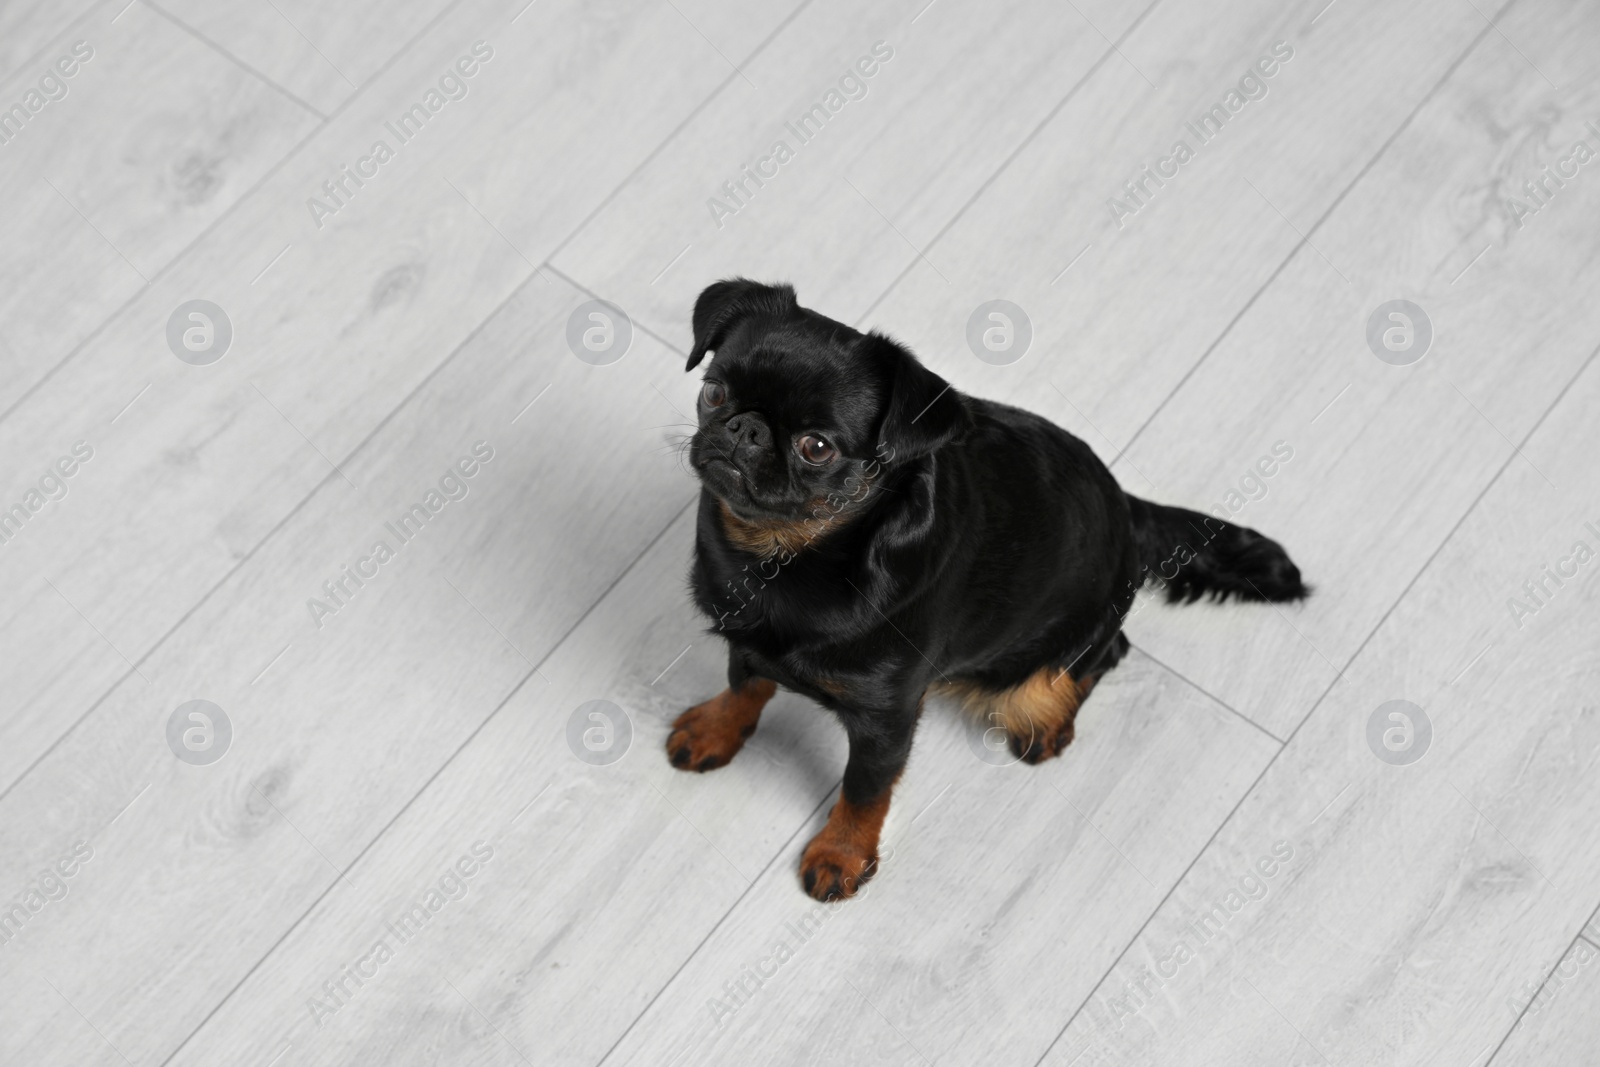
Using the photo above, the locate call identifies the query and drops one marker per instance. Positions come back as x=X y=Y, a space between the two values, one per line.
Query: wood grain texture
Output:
x=1367 y=499
x=1120 y=313
x=862 y=194
x=319 y=53
x=29 y=27
x=1561 y=1023
x=989 y=873
x=385 y=291
x=605 y=877
x=311 y=780
x=151 y=139
x=423 y=732
x=39 y=694
x=1422 y=899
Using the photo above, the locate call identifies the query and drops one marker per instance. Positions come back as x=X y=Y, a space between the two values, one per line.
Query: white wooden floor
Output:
x=1223 y=870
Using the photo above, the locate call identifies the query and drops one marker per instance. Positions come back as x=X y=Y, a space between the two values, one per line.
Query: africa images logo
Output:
x=1542 y=588
x=49 y=886
x=1140 y=189
x=454 y=884
x=52 y=87
x=52 y=486
x=338 y=191
x=454 y=485
x=852 y=85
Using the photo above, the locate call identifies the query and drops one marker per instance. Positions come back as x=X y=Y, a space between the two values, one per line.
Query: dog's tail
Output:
x=1197 y=555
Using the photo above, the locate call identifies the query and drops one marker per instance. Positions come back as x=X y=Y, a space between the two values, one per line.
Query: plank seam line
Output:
x=226 y=213
x=1449 y=72
x=673 y=133
x=37 y=58
x=1307 y=717
x=1306 y=239
x=732 y=907
x=1445 y=541
x=1186 y=680
x=1005 y=163
x=1551 y=973
x=423 y=788
x=269 y=534
x=230 y=57
x=378 y=426
x=366 y=440
x=641 y=327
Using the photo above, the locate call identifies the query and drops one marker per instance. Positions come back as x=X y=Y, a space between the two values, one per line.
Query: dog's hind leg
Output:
x=1039 y=716
x=1036 y=716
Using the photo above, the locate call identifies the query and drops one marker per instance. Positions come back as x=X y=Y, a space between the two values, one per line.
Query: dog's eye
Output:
x=814 y=449
x=714 y=394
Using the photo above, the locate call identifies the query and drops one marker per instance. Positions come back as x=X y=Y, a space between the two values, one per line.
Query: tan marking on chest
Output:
x=768 y=537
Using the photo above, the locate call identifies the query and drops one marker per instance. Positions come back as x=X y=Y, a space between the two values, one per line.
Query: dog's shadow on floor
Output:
x=804 y=739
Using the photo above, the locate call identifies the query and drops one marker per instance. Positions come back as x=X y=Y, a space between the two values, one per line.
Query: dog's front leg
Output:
x=841 y=858
x=709 y=734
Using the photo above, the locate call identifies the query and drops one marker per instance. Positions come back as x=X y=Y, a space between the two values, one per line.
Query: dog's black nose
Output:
x=749 y=428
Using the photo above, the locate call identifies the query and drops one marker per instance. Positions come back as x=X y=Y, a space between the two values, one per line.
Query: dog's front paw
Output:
x=830 y=870
x=708 y=735
x=702 y=740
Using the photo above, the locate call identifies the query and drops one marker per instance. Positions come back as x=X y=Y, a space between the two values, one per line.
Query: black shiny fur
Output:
x=961 y=539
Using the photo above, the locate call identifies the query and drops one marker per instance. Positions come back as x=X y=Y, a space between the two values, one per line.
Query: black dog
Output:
x=866 y=533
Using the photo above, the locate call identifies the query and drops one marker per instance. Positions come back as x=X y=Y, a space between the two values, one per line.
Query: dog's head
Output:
x=798 y=412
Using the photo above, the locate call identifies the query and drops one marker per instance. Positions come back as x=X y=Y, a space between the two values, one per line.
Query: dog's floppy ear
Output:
x=725 y=304
x=924 y=410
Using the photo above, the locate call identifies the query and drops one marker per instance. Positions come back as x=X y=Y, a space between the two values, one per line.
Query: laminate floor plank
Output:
x=37 y=690
x=108 y=172
x=29 y=27
x=571 y=946
x=922 y=112
x=415 y=732
x=1385 y=459
x=990 y=873
x=320 y=53
x=603 y=879
x=1425 y=899
x=197 y=871
x=1561 y=1020
x=1123 y=302
x=333 y=326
